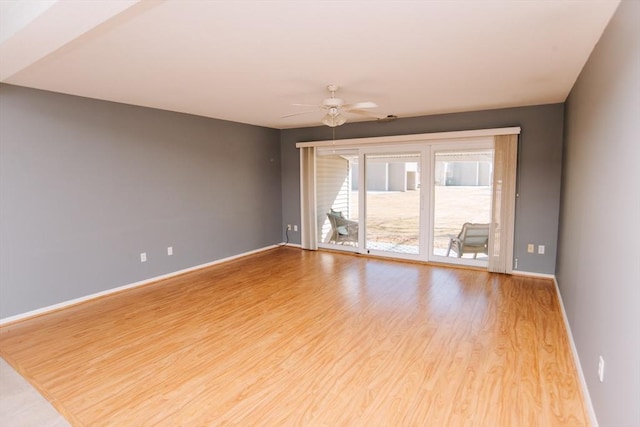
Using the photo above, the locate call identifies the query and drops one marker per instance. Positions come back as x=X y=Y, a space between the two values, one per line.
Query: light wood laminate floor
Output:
x=292 y=337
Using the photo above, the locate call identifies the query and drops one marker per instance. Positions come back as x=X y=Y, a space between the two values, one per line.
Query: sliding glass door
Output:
x=461 y=205
x=393 y=201
x=429 y=202
x=337 y=199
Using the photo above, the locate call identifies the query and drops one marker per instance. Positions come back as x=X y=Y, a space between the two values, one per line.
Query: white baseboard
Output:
x=530 y=274
x=576 y=358
x=54 y=307
x=293 y=245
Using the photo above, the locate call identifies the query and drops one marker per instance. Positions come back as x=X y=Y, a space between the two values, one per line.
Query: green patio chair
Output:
x=473 y=238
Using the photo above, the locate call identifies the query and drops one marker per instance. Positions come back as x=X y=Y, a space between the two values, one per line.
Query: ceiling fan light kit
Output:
x=335 y=109
x=333 y=121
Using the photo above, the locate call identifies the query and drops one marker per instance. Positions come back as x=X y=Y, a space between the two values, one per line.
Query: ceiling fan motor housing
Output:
x=332 y=102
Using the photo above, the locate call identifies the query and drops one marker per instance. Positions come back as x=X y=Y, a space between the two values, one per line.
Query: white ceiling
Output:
x=248 y=61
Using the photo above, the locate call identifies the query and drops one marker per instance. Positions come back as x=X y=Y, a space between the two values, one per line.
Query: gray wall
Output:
x=539 y=169
x=87 y=185
x=599 y=257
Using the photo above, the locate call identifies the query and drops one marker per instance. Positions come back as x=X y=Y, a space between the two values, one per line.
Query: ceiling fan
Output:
x=335 y=109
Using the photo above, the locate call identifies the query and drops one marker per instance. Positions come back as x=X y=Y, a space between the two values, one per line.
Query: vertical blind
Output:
x=308 y=223
x=503 y=204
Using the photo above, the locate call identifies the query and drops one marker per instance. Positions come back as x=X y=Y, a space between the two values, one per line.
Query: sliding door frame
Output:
x=335 y=246
x=427 y=145
x=423 y=152
x=436 y=147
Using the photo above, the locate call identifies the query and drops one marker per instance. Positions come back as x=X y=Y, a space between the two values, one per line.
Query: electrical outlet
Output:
x=601 y=369
x=295 y=228
x=541 y=249
x=169 y=250
x=289 y=227
x=530 y=248
x=143 y=257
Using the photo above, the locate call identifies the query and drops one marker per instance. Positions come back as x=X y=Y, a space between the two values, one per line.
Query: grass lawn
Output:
x=393 y=216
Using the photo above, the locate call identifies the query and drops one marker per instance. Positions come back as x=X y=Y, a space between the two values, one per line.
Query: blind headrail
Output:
x=407 y=139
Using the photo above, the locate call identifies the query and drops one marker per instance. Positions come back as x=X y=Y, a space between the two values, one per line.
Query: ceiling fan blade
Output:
x=297 y=114
x=307 y=105
x=363 y=113
x=359 y=105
